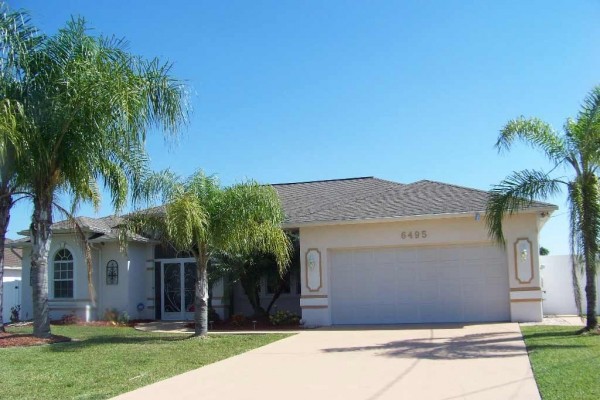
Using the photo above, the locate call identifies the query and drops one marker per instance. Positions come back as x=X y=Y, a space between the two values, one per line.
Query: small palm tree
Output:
x=203 y=218
x=577 y=150
x=86 y=104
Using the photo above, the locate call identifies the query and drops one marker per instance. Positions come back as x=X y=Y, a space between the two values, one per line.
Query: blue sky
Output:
x=288 y=91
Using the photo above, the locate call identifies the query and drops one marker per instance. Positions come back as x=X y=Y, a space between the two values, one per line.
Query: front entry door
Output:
x=178 y=281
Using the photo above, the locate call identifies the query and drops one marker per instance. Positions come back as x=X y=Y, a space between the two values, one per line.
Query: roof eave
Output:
x=289 y=225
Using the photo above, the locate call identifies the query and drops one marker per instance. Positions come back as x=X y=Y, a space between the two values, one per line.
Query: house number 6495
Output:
x=413 y=234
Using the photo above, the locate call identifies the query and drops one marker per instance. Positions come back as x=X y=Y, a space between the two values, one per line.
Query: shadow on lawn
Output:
x=563 y=334
x=482 y=345
x=77 y=344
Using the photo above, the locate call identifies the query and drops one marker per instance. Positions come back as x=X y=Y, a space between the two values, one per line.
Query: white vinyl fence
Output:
x=11 y=298
x=557 y=286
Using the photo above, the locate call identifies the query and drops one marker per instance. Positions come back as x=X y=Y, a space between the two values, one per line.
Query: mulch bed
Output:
x=130 y=324
x=261 y=325
x=27 y=339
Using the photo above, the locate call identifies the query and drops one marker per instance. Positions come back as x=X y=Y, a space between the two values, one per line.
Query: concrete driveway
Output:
x=487 y=361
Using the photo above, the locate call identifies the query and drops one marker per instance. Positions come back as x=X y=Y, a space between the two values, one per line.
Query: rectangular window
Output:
x=63 y=279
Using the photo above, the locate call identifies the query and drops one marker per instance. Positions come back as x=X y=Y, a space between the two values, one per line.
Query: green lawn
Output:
x=106 y=361
x=566 y=365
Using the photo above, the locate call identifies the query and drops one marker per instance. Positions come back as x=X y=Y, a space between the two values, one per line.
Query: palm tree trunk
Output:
x=590 y=292
x=41 y=236
x=201 y=293
x=589 y=224
x=5 y=205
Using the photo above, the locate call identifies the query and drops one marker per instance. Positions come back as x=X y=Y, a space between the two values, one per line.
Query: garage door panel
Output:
x=427 y=271
x=408 y=256
x=412 y=285
x=408 y=313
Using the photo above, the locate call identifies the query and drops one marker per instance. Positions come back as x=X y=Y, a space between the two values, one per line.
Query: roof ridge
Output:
x=388 y=181
x=323 y=180
x=450 y=184
x=487 y=192
x=358 y=197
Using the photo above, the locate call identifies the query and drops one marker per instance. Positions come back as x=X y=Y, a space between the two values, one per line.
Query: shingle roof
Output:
x=373 y=198
x=12 y=257
x=105 y=228
x=343 y=200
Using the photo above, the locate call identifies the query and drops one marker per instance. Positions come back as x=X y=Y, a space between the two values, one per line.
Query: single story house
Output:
x=372 y=251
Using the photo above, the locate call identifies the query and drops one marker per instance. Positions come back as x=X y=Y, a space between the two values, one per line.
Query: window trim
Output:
x=52 y=269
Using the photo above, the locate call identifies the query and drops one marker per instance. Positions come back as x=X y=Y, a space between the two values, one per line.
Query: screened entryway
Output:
x=178 y=278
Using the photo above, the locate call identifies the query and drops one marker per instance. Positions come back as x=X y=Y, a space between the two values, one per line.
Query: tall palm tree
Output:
x=203 y=218
x=577 y=150
x=87 y=103
x=17 y=38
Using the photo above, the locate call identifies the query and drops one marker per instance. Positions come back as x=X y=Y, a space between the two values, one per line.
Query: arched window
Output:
x=63 y=274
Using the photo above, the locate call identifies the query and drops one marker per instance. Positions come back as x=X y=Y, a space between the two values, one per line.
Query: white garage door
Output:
x=419 y=285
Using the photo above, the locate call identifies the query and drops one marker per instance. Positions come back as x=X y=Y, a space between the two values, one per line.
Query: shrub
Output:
x=238 y=320
x=213 y=316
x=69 y=319
x=116 y=317
x=284 y=318
x=14 y=313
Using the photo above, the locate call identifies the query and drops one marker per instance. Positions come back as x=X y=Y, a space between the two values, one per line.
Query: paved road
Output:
x=487 y=361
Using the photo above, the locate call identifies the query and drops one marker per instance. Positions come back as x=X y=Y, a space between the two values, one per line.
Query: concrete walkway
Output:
x=560 y=320
x=438 y=362
x=181 y=327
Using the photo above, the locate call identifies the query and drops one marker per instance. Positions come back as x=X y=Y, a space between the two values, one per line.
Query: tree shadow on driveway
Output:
x=479 y=345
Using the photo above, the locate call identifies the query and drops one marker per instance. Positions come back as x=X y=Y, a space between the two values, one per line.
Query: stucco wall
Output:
x=112 y=296
x=81 y=297
x=557 y=284
x=525 y=296
x=140 y=290
x=124 y=296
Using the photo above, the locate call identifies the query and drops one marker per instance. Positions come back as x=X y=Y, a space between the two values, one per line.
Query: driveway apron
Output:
x=483 y=361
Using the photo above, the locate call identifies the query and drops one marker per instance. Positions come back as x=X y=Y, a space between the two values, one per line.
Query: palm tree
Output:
x=17 y=37
x=203 y=218
x=577 y=150
x=249 y=269
x=87 y=103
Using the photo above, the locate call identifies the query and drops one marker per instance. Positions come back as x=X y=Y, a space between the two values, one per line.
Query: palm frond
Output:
x=585 y=130
x=515 y=193
x=252 y=221
x=536 y=133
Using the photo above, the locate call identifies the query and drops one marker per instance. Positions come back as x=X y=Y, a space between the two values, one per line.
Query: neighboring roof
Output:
x=352 y=199
x=103 y=229
x=372 y=198
x=12 y=257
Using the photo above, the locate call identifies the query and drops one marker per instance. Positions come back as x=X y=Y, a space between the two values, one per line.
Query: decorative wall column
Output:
x=314 y=300
x=525 y=291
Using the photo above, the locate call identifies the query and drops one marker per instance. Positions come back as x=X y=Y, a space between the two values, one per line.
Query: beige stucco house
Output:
x=371 y=252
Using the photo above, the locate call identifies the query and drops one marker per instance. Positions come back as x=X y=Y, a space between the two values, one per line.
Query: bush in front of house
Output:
x=238 y=320
x=69 y=319
x=282 y=317
x=14 y=314
x=213 y=315
x=116 y=317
